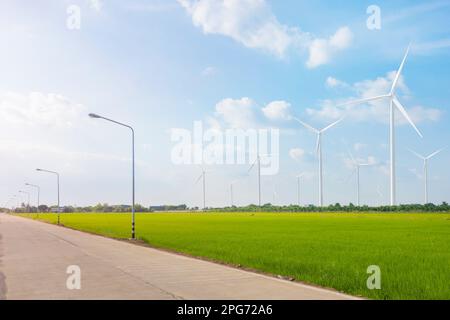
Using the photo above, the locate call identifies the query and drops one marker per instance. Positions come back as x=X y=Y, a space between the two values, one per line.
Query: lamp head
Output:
x=94 y=116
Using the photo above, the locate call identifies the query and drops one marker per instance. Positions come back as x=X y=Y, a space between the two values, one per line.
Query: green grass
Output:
x=330 y=250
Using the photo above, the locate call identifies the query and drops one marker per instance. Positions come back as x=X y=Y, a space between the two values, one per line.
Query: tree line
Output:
x=103 y=208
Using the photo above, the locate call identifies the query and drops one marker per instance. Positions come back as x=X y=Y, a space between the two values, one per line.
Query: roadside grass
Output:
x=326 y=249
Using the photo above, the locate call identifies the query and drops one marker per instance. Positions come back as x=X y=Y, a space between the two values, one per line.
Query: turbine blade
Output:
x=199 y=178
x=307 y=126
x=351 y=156
x=252 y=166
x=405 y=114
x=416 y=154
x=435 y=153
x=318 y=144
x=362 y=101
x=399 y=72
x=332 y=125
x=365 y=164
x=350 y=176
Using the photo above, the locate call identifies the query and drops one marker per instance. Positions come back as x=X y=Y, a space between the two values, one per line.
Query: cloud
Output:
x=375 y=110
x=39 y=109
x=370 y=160
x=237 y=114
x=245 y=113
x=359 y=146
x=335 y=83
x=209 y=71
x=322 y=50
x=277 y=110
x=96 y=5
x=249 y=22
x=252 y=24
x=297 y=154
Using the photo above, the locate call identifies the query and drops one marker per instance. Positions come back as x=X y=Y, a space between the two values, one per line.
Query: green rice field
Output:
x=330 y=250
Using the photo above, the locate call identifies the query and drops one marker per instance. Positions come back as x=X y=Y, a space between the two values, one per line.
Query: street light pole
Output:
x=96 y=116
x=28 y=194
x=57 y=182
x=38 y=194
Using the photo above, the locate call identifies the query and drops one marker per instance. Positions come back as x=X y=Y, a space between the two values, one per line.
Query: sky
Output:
x=250 y=65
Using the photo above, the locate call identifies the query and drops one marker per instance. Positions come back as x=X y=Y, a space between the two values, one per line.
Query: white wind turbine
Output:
x=394 y=104
x=203 y=177
x=232 y=192
x=319 y=151
x=357 y=167
x=275 y=193
x=258 y=164
x=425 y=168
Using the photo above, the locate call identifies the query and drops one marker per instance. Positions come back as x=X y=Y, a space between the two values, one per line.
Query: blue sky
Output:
x=160 y=65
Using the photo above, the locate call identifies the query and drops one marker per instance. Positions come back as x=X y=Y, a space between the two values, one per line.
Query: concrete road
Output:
x=34 y=258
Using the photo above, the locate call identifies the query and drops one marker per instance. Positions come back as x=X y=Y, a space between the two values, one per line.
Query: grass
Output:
x=330 y=250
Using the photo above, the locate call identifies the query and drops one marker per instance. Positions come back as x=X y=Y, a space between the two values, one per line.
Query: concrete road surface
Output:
x=34 y=258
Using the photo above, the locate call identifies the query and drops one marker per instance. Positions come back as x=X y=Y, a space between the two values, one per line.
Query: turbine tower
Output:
x=203 y=176
x=319 y=151
x=232 y=192
x=258 y=163
x=358 y=166
x=425 y=169
x=394 y=105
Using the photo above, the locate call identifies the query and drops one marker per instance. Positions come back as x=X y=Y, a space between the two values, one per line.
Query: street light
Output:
x=38 y=193
x=28 y=194
x=57 y=182
x=96 y=116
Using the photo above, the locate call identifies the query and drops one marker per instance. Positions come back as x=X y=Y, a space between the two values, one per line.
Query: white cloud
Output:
x=252 y=23
x=39 y=109
x=335 y=83
x=277 y=110
x=322 y=50
x=245 y=113
x=359 y=146
x=297 y=154
x=249 y=22
x=375 y=110
x=237 y=114
x=96 y=5
x=370 y=160
x=209 y=71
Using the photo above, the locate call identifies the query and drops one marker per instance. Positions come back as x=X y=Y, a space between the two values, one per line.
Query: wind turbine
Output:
x=425 y=168
x=232 y=192
x=357 y=166
x=203 y=176
x=258 y=164
x=394 y=104
x=275 y=193
x=319 y=151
